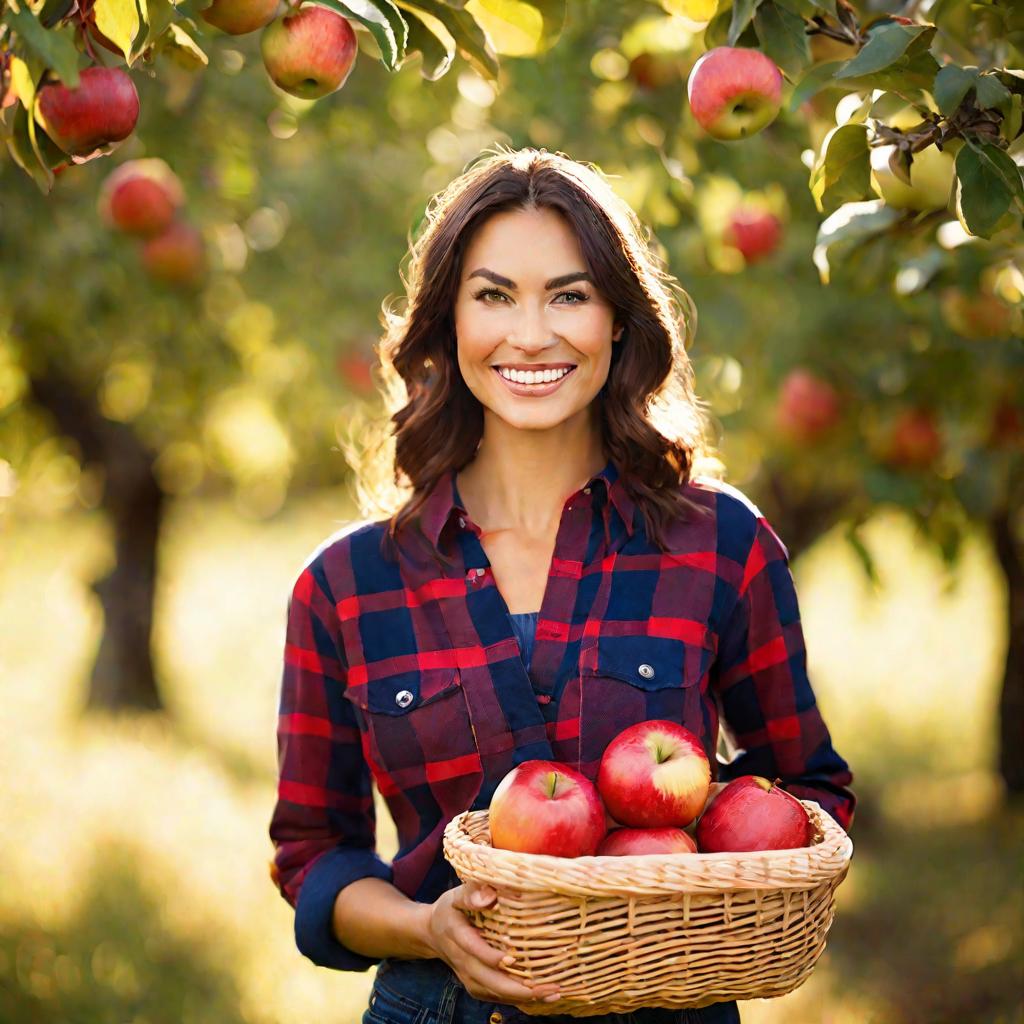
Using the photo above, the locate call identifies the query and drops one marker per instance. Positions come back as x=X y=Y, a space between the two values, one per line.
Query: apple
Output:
x=176 y=256
x=756 y=233
x=627 y=842
x=310 y=53
x=237 y=17
x=546 y=807
x=751 y=813
x=654 y=774
x=808 y=406
x=141 y=197
x=977 y=315
x=914 y=440
x=653 y=71
x=734 y=92
x=356 y=370
x=102 y=110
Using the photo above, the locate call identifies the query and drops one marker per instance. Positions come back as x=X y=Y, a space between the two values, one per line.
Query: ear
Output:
x=618 y=332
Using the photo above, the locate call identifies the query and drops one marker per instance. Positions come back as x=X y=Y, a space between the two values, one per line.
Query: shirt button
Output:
x=479 y=572
x=586 y=490
x=646 y=671
x=403 y=698
x=462 y=522
x=495 y=1018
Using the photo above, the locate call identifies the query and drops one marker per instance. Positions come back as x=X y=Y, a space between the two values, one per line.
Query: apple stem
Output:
x=552 y=784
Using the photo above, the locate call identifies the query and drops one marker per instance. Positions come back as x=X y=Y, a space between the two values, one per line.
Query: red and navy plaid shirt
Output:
x=408 y=674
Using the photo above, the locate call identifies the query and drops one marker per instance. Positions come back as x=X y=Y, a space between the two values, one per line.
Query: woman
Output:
x=557 y=573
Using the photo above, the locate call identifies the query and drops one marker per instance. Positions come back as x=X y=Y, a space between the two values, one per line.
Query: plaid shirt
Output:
x=409 y=674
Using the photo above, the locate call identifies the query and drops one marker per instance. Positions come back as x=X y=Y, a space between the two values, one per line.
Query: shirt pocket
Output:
x=635 y=678
x=417 y=732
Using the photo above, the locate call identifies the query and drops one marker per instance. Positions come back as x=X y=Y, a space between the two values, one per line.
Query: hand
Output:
x=476 y=963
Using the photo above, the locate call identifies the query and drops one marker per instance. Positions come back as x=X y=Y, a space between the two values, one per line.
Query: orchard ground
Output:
x=135 y=883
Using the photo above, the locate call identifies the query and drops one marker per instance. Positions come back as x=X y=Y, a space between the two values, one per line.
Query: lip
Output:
x=534 y=390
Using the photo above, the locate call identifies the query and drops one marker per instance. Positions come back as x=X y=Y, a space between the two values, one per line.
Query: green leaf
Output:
x=157 y=15
x=818 y=78
x=118 y=20
x=742 y=13
x=469 y=37
x=24 y=153
x=716 y=33
x=988 y=183
x=1011 y=125
x=181 y=48
x=990 y=92
x=843 y=171
x=952 y=84
x=378 y=23
x=433 y=41
x=884 y=47
x=54 y=11
x=54 y=47
x=850 y=226
x=864 y=556
x=782 y=37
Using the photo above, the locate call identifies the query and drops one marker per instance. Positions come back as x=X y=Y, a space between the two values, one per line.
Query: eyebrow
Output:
x=555 y=282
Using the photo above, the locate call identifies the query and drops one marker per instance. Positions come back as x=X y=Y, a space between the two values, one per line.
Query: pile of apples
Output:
x=653 y=783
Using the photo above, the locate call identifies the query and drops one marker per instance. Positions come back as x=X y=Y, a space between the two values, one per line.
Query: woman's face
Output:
x=534 y=334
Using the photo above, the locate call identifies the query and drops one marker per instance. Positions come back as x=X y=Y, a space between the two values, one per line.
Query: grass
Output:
x=134 y=882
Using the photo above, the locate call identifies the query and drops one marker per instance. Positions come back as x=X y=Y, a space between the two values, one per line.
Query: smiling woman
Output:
x=553 y=571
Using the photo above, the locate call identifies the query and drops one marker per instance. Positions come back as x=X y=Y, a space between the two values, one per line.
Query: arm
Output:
x=323 y=825
x=760 y=678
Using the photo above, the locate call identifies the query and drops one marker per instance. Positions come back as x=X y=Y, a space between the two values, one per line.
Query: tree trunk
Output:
x=122 y=676
x=799 y=516
x=1011 y=701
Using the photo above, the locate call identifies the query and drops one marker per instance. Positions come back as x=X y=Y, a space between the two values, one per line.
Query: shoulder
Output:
x=348 y=561
x=734 y=519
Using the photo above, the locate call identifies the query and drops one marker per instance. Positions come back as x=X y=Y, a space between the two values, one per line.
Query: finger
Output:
x=501 y=988
x=478 y=896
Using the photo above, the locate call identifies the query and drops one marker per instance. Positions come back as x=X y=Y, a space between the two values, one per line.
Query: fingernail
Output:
x=553 y=998
x=508 y=960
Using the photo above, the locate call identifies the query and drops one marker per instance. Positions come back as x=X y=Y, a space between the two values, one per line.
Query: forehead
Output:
x=525 y=238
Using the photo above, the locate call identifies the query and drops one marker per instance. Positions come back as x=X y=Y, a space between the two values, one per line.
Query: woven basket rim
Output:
x=797 y=868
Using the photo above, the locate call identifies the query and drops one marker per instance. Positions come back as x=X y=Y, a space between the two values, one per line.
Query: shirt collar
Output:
x=442 y=503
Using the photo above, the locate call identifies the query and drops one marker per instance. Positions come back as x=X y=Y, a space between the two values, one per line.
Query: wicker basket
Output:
x=672 y=930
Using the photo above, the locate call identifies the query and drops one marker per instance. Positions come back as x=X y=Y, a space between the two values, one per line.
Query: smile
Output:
x=533 y=382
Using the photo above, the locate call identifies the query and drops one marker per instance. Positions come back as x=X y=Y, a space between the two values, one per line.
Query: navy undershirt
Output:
x=525 y=626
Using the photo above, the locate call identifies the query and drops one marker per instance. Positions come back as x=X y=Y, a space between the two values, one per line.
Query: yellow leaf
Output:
x=515 y=29
x=118 y=20
x=21 y=82
x=694 y=10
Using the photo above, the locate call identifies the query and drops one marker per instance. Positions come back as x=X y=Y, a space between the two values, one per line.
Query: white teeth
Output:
x=532 y=376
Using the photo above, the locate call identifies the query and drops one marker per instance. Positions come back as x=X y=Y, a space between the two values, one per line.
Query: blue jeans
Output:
x=428 y=992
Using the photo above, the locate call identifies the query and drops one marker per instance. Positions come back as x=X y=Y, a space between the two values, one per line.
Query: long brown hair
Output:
x=652 y=423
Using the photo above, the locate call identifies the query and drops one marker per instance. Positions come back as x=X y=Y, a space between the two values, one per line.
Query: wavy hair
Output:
x=652 y=423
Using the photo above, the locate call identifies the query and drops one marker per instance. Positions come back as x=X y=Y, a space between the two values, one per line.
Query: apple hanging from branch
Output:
x=734 y=92
x=808 y=406
x=176 y=257
x=101 y=111
x=310 y=53
x=238 y=17
x=756 y=233
x=141 y=197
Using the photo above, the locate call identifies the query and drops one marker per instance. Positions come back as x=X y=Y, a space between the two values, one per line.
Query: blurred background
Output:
x=171 y=453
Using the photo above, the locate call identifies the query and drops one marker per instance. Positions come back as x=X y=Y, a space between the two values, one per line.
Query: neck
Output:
x=520 y=479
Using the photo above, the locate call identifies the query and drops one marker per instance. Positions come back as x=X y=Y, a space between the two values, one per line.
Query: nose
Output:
x=531 y=333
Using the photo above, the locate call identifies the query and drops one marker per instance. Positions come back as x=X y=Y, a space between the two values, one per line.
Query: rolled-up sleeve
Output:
x=760 y=676
x=323 y=826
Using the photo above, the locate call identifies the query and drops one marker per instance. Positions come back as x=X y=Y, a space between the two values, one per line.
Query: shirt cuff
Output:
x=314 y=909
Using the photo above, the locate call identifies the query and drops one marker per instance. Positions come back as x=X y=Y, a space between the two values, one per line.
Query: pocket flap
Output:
x=404 y=692
x=649 y=662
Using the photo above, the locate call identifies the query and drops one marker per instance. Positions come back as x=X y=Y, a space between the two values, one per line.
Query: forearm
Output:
x=375 y=919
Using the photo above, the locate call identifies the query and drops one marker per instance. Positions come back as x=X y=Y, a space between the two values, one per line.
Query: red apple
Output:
x=653 y=775
x=752 y=813
x=756 y=233
x=546 y=807
x=808 y=407
x=652 y=71
x=914 y=440
x=141 y=197
x=310 y=53
x=102 y=110
x=734 y=92
x=176 y=257
x=627 y=842
x=237 y=17
x=977 y=315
